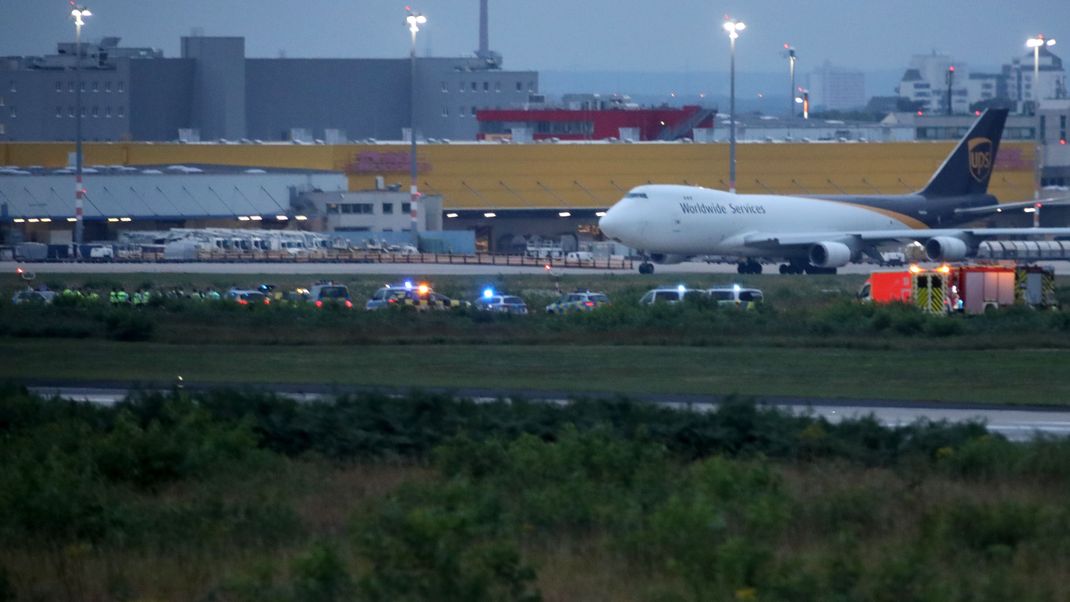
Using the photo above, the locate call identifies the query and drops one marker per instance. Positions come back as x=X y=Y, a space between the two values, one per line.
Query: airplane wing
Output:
x=999 y=207
x=968 y=235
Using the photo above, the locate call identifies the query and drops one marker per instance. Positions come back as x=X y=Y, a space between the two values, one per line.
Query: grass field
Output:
x=1017 y=377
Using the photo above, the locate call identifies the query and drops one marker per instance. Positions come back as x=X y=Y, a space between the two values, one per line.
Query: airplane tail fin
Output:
x=967 y=169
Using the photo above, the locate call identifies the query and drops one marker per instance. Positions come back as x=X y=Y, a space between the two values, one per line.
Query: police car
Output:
x=328 y=292
x=577 y=301
x=407 y=294
x=492 y=300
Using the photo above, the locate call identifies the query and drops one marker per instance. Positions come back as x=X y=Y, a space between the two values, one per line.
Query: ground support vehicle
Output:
x=327 y=292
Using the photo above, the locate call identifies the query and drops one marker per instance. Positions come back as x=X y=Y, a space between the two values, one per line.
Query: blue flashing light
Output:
x=488 y=293
x=735 y=287
x=408 y=285
x=681 y=288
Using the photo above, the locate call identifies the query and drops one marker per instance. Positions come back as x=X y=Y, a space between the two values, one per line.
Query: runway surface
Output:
x=1014 y=423
x=430 y=269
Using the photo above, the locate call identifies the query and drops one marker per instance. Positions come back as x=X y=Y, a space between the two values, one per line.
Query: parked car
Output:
x=577 y=301
x=673 y=294
x=491 y=301
x=32 y=296
x=746 y=298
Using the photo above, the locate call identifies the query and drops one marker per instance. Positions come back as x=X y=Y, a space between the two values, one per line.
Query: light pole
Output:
x=78 y=14
x=790 y=51
x=414 y=21
x=1035 y=44
x=733 y=28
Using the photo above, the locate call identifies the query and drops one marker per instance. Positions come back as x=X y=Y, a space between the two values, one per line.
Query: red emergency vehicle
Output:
x=965 y=288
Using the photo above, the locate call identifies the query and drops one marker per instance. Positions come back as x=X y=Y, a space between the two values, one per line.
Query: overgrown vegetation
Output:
x=239 y=496
x=796 y=318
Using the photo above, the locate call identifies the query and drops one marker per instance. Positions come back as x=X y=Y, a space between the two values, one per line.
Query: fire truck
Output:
x=971 y=289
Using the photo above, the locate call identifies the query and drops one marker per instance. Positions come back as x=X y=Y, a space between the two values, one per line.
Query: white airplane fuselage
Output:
x=688 y=220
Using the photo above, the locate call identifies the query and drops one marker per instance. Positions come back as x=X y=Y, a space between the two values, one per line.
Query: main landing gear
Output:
x=803 y=267
x=646 y=268
x=749 y=267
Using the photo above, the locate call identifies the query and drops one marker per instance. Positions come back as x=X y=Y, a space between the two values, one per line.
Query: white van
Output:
x=668 y=295
x=735 y=295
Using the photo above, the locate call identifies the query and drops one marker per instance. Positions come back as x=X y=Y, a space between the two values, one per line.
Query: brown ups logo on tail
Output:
x=980 y=152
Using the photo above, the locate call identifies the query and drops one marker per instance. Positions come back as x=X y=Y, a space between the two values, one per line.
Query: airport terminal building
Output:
x=214 y=91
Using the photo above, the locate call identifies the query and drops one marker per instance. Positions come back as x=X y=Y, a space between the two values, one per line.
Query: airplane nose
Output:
x=609 y=224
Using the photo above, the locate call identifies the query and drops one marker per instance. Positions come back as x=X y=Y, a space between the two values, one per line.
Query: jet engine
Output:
x=945 y=248
x=666 y=258
x=830 y=255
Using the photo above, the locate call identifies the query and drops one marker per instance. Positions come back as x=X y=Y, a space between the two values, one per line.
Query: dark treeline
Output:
x=241 y=496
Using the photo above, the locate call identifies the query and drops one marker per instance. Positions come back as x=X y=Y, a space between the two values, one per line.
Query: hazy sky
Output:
x=615 y=35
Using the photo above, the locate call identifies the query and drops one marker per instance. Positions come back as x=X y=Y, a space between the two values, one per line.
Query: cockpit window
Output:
x=635 y=195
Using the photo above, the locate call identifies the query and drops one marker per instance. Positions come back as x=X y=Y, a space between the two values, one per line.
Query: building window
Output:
x=1062 y=129
x=13 y=112
x=332 y=208
x=531 y=86
x=81 y=86
x=120 y=112
x=460 y=87
x=2 y=130
x=357 y=208
x=70 y=112
x=96 y=86
x=59 y=111
x=475 y=87
x=70 y=86
x=107 y=112
x=497 y=86
x=445 y=88
x=1043 y=128
x=1 y=101
x=119 y=87
x=473 y=111
x=486 y=86
x=59 y=86
x=406 y=208
x=13 y=86
x=388 y=208
x=460 y=112
x=519 y=87
x=107 y=87
x=96 y=112
x=445 y=111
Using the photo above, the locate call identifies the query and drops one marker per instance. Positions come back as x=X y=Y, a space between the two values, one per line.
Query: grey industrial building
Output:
x=213 y=91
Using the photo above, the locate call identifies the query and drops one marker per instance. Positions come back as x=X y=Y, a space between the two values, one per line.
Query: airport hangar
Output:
x=502 y=192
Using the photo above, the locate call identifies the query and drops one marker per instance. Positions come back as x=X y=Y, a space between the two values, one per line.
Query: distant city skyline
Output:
x=562 y=35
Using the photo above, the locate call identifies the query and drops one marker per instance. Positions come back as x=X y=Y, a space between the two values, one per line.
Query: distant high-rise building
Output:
x=1051 y=84
x=931 y=78
x=836 y=88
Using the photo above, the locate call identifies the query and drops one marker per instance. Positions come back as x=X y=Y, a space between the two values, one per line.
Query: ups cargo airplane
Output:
x=817 y=234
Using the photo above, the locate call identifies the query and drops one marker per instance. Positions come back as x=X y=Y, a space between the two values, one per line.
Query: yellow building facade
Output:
x=573 y=176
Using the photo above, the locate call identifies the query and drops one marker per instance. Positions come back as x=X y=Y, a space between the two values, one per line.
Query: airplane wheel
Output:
x=755 y=268
x=785 y=268
x=646 y=268
x=741 y=268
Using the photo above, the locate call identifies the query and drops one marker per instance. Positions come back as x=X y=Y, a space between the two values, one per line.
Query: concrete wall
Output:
x=218 y=108
x=161 y=98
x=366 y=98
